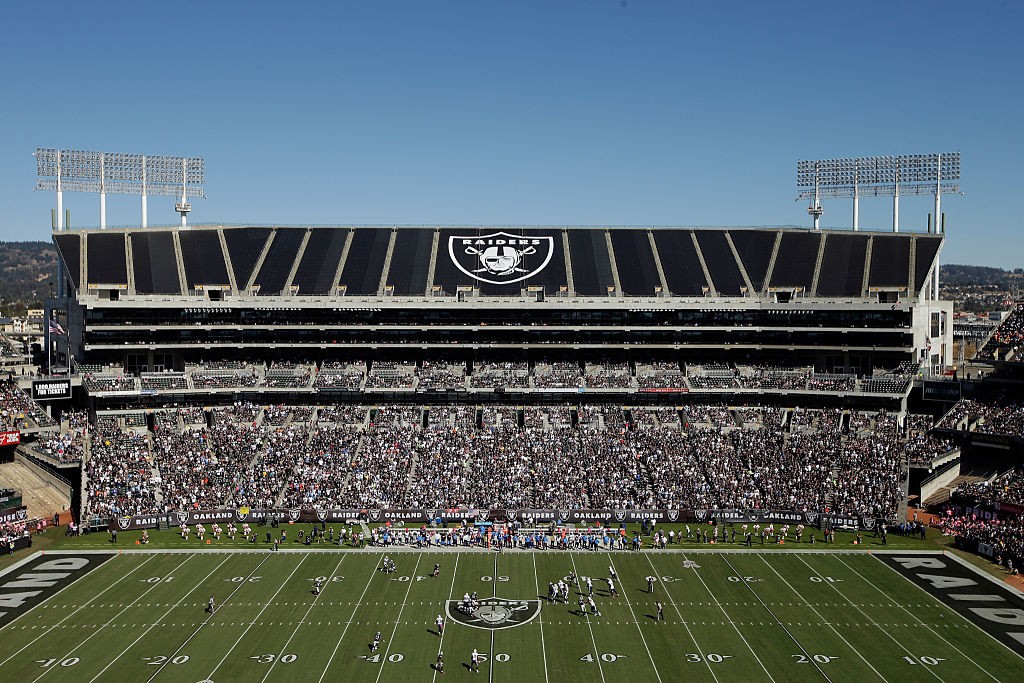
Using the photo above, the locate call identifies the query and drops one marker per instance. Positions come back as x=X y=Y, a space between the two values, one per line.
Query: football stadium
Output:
x=597 y=453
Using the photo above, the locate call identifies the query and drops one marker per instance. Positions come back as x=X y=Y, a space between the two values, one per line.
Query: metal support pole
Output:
x=144 y=214
x=103 y=197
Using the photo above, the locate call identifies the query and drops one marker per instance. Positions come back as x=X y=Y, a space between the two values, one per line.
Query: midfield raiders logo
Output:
x=500 y=258
x=494 y=613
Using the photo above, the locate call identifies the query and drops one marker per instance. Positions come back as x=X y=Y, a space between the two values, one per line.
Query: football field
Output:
x=728 y=616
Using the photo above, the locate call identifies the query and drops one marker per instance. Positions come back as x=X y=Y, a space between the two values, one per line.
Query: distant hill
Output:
x=953 y=274
x=26 y=269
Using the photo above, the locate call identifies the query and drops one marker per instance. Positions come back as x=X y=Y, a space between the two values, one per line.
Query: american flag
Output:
x=55 y=327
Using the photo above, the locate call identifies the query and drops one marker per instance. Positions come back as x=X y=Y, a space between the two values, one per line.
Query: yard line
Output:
x=160 y=618
x=122 y=611
x=711 y=594
x=83 y=606
x=936 y=633
x=789 y=633
x=205 y=621
x=543 y=650
x=625 y=594
x=349 y=623
x=308 y=610
x=711 y=669
x=494 y=593
x=412 y=580
x=444 y=611
x=872 y=621
x=823 y=619
x=597 y=653
x=253 y=622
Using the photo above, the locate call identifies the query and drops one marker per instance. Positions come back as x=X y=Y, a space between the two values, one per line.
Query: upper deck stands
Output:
x=426 y=262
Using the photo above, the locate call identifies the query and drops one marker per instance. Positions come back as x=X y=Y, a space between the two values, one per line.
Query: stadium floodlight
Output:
x=63 y=170
x=886 y=176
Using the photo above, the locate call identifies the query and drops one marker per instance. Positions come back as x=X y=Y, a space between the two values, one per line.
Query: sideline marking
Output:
x=83 y=606
x=597 y=653
x=398 y=621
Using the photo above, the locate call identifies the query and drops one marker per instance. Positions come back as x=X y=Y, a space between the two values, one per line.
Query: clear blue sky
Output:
x=588 y=112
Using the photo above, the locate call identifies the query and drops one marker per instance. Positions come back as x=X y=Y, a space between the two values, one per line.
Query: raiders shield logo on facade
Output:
x=811 y=517
x=673 y=515
x=868 y=523
x=510 y=515
x=374 y=515
x=620 y=515
x=700 y=514
x=293 y=514
x=182 y=517
x=321 y=514
x=493 y=613
x=124 y=522
x=500 y=258
x=564 y=514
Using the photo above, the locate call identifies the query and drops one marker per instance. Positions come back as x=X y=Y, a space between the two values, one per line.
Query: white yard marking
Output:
x=444 y=611
x=123 y=610
x=387 y=649
x=586 y=617
x=159 y=619
x=681 y=620
x=733 y=623
x=625 y=594
x=262 y=609
x=206 y=621
x=915 y=617
x=490 y=654
x=823 y=619
x=303 y=619
x=84 y=604
x=543 y=650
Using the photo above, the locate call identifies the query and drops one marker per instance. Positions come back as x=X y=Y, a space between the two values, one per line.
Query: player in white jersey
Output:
x=593 y=606
x=474 y=661
x=440 y=625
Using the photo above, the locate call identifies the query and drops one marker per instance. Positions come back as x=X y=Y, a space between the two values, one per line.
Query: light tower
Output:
x=117 y=173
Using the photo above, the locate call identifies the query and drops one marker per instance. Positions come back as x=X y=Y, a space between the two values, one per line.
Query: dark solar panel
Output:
x=154 y=263
x=106 y=259
x=755 y=250
x=279 y=261
x=410 y=261
x=591 y=267
x=70 y=248
x=638 y=273
x=721 y=263
x=244 y=247
x=798 y=254
x=365 y=260
x=842 y=266
x=203 y=258
x=319 y=264
x=683 y=272
x=890 y=261
x=927 y=248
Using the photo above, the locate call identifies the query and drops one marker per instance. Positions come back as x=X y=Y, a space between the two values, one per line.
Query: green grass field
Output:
x=729 y=616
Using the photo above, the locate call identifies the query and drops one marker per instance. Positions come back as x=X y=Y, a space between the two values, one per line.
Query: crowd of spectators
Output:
x=500 y=375
x=1004 y=536
x=559 y=375
x=18 y=410
x=996 y=415
x=435 y=375
x=608 y=376
x=100 y=383
x=391 y=375
x=224 y=378
x=1007 y=339
x=118 y=474
x=534 y=457
x=660 y=376
x=340 y=375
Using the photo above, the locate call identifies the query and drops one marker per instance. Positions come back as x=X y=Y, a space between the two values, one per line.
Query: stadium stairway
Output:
x=40 y=496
